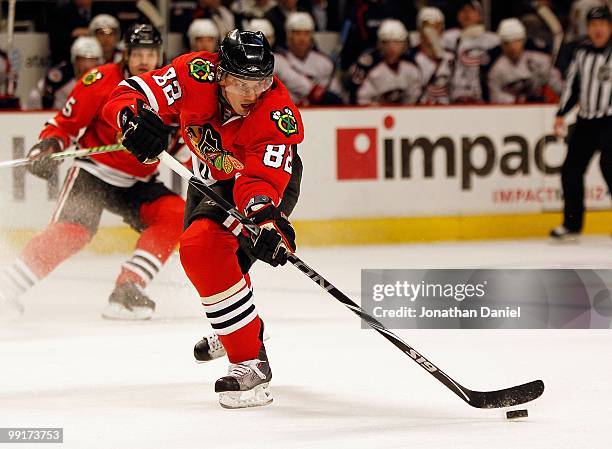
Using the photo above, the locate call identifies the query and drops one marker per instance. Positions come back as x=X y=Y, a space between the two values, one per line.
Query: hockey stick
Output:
x=555 y=27
x=335 y=53
x=479 y=399
x=151 y=12
x=66 y=154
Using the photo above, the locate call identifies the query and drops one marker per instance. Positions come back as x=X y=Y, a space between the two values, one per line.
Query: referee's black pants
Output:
x=587 y=137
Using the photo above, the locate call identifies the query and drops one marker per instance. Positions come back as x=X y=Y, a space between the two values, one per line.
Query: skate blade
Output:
x=199 y=362
x=567 y=239
x=256 y=397
x=116 y=311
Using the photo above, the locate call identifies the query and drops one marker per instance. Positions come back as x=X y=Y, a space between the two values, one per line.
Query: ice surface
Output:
x=135 y=385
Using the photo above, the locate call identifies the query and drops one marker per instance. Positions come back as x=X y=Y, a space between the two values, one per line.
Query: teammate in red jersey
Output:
x=242 y=128
x=114 y=181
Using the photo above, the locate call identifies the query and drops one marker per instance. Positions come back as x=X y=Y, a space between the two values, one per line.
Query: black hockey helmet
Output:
x=246 y=54
x=142 y=35
x=599 y=13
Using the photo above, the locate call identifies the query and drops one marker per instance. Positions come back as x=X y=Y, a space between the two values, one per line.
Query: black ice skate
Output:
x=562 y=234
x=246 y=383
x=129 y=302
x=208 y=348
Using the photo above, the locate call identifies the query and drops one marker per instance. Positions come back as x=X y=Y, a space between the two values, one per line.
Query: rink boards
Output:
x=380 y=175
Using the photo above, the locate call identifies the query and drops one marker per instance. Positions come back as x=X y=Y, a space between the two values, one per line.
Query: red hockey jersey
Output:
x=83 y=109
x=254 y=149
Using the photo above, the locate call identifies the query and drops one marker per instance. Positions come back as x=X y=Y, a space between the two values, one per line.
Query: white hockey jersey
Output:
x=378 y=83
x=470 y=50
x=51 y=92
x=35 y=98
x=436 y=76
x=300 y=76
x=522 y=82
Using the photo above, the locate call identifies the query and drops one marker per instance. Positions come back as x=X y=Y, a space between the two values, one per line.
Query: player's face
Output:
x=108 y=41
x=299 y=42
x=243 y=94
x=514 y=49
x=599 y=31
x=392 y=50
x=468 y=16
x=82 y=65
x=438 y=27
x=141 y=60
x=205 y=43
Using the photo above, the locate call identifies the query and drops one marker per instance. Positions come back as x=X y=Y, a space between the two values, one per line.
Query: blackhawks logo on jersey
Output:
x=285 y=121
x=206 y=142
x=92 y=77
x=201 y=70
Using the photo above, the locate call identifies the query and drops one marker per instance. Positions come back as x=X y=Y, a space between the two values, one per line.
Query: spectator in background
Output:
x=107 y=30
x=307 y=73
x=8 y=83
x=387 y=75
x=203 y=35
x=245 y=10
x=52 y=91
x=278 y=16
x=519 y=75
x=206 y=9
x=470 y=44
x=364 y=17
x=66 y=23
x=435 y=63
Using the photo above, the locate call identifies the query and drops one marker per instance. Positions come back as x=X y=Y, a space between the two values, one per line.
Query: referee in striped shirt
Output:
x=589 y=84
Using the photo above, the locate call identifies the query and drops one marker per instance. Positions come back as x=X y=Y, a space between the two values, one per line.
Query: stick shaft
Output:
x=66 y=154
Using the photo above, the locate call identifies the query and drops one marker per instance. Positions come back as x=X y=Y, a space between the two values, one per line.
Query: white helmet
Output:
x=392 y=30
x=511 y=30
x=429 y=14
x=202 y=28
x=104 y=22
x=264 y=26
x=86 y=47
x=299 y=21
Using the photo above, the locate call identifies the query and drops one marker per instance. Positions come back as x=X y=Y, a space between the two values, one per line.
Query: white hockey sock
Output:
x=16 y=279
x=144 y=264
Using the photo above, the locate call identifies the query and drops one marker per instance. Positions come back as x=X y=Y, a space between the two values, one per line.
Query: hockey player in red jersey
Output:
x=114 y=181
x=242 y=128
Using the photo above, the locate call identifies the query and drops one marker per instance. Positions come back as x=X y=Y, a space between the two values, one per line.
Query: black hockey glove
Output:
x=41 y=165
x=144 y=134
x=276 y=235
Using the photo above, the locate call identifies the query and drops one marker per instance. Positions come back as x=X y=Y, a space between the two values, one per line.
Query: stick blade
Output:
x=508 y=397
